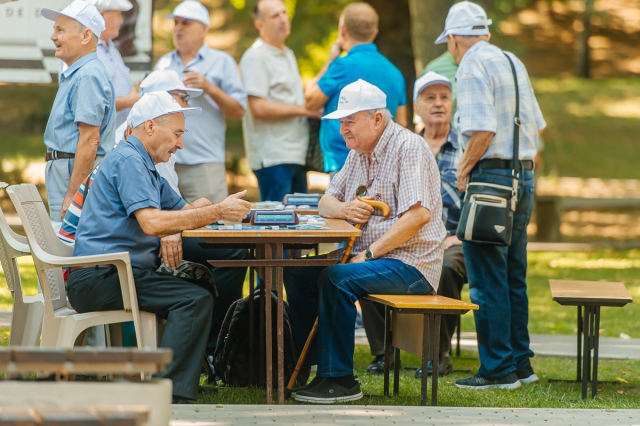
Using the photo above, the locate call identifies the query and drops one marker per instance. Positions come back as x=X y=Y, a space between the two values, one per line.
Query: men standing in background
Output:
x=276 y=133
x=82 y=121
x=357 y=29
x=486 y=110
x=201 y=164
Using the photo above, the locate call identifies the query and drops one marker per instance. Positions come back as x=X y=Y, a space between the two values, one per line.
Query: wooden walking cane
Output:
x=303 y=355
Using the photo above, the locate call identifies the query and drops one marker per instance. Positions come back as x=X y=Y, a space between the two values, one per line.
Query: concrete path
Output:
x=237 y=415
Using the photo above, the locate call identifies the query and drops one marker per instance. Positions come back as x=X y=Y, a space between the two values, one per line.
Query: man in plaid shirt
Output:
x=432 y=97
x=400 y=254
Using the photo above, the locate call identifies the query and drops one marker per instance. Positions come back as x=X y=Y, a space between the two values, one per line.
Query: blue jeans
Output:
x=277 y=181
x=497 y=283
x=331 y=293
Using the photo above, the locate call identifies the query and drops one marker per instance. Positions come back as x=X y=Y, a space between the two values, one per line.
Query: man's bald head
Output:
x=360 y=21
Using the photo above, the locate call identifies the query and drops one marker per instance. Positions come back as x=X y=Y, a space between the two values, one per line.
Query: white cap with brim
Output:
x=155 y=104
x=466 y=19
x=168 y=81
x=120 y=5
x=81 y=11
x=191 y=9
x=429 y=79
x=358 y=96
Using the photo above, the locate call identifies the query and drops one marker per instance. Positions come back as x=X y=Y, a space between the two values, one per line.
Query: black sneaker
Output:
x=328 y=391
x=316 y=381
x=527 y=375
x=377 y=365
x=510 y=382
x=445 y=366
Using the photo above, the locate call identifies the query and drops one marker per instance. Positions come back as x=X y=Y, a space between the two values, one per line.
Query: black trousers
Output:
x=186 y=306
x=229 y=281
x=454 y=275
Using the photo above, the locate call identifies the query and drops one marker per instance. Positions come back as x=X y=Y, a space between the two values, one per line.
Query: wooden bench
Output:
x=589 y=297
x=412 y=324
x=94 y=402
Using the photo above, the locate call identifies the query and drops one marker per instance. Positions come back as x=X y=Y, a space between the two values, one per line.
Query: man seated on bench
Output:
x=130 y=208
x=433 y=103
x=401 y=254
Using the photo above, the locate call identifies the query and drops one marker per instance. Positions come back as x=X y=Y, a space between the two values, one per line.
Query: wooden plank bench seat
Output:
x=589 y=297
x=97 y=416
x=412 y=324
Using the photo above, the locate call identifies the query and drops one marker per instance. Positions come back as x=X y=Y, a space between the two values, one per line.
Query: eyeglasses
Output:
x=185 y=97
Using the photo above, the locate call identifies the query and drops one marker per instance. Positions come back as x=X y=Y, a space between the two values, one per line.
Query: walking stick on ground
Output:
x=303 y=355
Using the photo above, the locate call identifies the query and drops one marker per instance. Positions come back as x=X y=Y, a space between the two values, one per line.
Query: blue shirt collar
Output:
x=365 y=47
x=137 y=145
x=202 y=52
x=452 y=138
x=78 y=64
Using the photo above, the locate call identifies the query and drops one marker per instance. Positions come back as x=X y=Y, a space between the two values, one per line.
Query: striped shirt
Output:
x=486 y=102
x=402 y=173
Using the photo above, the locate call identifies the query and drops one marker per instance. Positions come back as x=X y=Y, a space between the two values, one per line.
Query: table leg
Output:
x=435 y=352
x=260 y=253
x=280 y=331
x=268 y=325
x=425 y=358
x=579 y=346
x=396 y=372
x=387 y=347
x=252 y=343
x=586 y=350
x=596 y=344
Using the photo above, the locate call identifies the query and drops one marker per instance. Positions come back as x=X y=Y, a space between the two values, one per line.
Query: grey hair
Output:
x=81 y=28
x=386 y=114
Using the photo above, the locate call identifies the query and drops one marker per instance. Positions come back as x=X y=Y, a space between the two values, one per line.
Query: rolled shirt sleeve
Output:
x=230 y=82
x=419 y=181
x=169 y=198
x=254 y=76
x=476 y=103
x=89 y=101
x=333 y=80
x=135 y=186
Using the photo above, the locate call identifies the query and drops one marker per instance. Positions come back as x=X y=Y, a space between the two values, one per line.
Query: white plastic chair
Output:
x=26 y=316
x=61 y=324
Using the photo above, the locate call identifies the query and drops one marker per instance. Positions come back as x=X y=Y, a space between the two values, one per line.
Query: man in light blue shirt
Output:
x=81 y=125
x=201 y=165
x=357 y=29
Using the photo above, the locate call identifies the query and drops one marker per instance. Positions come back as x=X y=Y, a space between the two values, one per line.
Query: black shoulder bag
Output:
x=488 y=208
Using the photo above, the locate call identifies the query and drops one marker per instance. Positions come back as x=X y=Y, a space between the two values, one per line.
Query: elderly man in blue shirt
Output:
x=81 y=125
x=486 y=111
x=201 y=165
x=129 y=208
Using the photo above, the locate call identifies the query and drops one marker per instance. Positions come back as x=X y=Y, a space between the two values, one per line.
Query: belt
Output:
x=75 y=268
x=498 y=163
x=56 y=155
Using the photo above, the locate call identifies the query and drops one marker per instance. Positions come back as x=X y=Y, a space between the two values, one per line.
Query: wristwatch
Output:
x=368 y=255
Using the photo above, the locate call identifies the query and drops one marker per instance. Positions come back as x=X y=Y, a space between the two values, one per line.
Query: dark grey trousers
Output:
x=454 y=276
x=186 y=307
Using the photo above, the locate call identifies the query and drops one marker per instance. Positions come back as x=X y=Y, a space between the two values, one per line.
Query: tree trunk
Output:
x=583 y=65
x=394 y=40
x=427 y=22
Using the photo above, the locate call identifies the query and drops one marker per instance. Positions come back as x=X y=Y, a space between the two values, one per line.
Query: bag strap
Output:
x=516 y=122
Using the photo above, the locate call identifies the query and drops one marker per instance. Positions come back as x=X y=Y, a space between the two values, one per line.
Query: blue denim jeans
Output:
x=497 y=283
x=330 y=293
x=277 y=181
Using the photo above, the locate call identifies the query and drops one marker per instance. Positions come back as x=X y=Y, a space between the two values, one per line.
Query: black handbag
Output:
x=315 y=159
x=488 y=208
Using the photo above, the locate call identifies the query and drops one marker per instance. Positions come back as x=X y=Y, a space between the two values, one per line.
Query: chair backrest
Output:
x=12 y=246
x=42 y=240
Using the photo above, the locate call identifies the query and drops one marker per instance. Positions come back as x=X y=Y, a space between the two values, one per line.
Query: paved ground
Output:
x=236 y=415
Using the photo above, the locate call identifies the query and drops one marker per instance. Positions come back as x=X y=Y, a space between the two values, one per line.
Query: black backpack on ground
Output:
x=231 y=357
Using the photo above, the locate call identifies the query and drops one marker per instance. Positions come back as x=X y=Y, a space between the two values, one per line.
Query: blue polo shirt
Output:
x=85 y=95
x=126 y=181
x=365 y=62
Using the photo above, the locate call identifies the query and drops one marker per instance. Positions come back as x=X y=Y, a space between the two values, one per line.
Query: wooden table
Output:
x=589 y=297
x=267 y=247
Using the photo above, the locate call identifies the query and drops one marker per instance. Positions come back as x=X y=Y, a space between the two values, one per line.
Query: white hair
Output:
x=81 y=28
x=386 y=114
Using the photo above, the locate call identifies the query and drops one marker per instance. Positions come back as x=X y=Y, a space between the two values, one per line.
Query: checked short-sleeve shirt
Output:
x=402 y=173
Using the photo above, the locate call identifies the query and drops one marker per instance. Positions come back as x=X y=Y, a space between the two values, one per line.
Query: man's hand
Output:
x=65 y=205
x=356 y=211
x=171 y=250
x=462 y=177
x=310 y=113
x=195 y=79
x=359 y=258
x=335 y=51
x=450 y=241
x=234 y=208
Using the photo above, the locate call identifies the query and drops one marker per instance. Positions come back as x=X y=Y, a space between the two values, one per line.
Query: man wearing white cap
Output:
x=201 y=165
x=130 y=208
x=432 y=101
x=396 y=255
x=81 y=125
x=486 y=111
x=276 y=132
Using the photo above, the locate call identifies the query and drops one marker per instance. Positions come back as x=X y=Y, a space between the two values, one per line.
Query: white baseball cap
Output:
x=191 y=9
x=168 y=81
x=465 y=18
x=155 y=104
x=121 y=5
x=358 y=96
x=83 y=12
x=429 y=79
